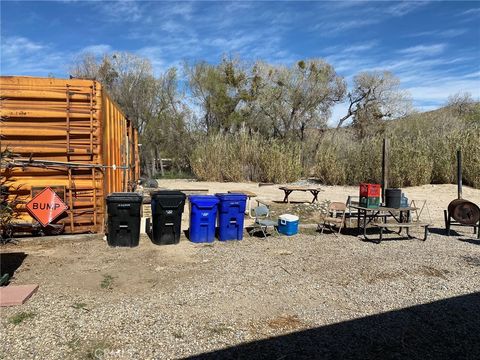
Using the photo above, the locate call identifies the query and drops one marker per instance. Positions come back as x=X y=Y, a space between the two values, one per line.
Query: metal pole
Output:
x=384 y=168
x=459 y=173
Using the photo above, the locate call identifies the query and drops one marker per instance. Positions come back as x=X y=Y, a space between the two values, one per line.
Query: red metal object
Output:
x=46 y=206
x=370 y=190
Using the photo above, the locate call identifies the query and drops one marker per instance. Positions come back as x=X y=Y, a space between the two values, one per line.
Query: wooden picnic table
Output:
x=245 y=192
x=289 y=189
x=193 y=191
x=402 y=219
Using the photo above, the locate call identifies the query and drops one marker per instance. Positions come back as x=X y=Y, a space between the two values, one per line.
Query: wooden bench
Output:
x=407 y=226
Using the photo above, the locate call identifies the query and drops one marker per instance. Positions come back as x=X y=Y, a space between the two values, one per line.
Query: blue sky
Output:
x=432 y=46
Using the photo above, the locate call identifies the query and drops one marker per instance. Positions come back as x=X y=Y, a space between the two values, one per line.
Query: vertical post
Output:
x=70 y=199
x=459 y=173
x=384 y=168
x=162 y=171
x=154 y=167
x=68 y=122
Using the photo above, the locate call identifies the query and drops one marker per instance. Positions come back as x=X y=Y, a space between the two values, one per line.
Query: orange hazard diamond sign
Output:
x=46 y=206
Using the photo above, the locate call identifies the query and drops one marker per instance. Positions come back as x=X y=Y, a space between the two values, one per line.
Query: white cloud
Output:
x=342 y=5
x=472 y=11
x=437 y=92
x=423 y=50
x=329 y=28
x=183 y=8
x=172 y=26
x=350 y=48
x=17 y=45
x=404 y=7
x=346 y=16
x=156 y=56
x=449 y=33
x=97 y=50
x=235 y=6
x=121 y=11
x=22 y=56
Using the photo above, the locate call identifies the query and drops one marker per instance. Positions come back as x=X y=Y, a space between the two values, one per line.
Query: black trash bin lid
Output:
x=169 y=199
x=168 y=193
x=124 y=197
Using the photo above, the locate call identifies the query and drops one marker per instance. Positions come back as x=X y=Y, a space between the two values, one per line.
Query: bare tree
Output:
x=292 y=99
x=375 y=96
x=461 y=103
x=153 y=103
x=128 y=78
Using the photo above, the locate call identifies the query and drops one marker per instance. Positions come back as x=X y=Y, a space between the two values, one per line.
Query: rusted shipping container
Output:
x=68 y=135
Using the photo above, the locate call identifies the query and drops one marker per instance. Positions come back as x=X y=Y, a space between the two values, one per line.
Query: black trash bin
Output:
x=167 y=210
x=123 y=219
x=393 y=198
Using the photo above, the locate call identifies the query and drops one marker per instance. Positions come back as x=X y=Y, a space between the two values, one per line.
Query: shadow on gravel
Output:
x=10 y=262
x=445 y=329
x=470 y=241
x=442 y=231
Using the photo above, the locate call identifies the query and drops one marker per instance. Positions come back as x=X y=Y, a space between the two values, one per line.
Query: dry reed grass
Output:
x=422 y=150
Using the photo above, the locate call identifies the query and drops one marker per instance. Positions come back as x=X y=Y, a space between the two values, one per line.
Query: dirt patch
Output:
x=472 y=260
x=384 y=276
x=372 y=277
x=432 y=271
x=286 y=322
x=92 y=266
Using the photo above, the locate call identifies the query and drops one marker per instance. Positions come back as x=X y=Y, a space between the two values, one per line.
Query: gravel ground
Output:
x=163 y=302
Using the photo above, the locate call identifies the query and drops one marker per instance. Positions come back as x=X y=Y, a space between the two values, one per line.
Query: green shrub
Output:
x=20 y=317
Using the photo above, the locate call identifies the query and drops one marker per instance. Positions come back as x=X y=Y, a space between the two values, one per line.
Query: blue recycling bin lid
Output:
x=232 y=202
x=203 y=201
x=231 y=197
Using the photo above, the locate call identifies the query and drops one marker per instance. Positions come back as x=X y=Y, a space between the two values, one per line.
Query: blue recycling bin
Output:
x=231 y=215
x=203 y=215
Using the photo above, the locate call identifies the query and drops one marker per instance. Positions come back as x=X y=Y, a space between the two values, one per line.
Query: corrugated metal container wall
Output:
x=69 y=135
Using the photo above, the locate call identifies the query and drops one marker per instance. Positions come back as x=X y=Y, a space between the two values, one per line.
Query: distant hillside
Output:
x=461 y=113
x=422 y=150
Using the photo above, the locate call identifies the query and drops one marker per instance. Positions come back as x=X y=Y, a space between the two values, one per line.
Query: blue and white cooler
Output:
x=288 y=224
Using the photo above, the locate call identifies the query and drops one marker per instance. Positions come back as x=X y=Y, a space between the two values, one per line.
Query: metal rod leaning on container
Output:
x=48 y=163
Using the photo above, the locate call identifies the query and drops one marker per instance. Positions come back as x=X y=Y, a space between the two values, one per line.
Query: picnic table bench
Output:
x=289 y=189
x=401 y=226
x=401 y=217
